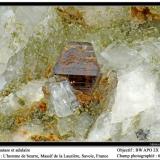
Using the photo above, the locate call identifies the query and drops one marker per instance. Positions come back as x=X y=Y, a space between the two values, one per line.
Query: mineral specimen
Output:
x=78 y=63
x=63 y=98
x=109 y=93
x=136 y=86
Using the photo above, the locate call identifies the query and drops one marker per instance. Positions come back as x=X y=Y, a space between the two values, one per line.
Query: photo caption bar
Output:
x=79 y=153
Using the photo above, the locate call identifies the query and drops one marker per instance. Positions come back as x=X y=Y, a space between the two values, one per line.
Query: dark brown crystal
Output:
x=79 y=64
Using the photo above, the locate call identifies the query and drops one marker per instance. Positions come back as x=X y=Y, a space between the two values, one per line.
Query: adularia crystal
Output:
x=63 y=98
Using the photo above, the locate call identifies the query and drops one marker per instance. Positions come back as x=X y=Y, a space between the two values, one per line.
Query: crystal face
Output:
x=80 y=73
x=135 y=93
x=78 y=63
x=63 y=98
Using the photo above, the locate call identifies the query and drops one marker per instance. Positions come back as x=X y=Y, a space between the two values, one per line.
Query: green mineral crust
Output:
x=125 y=103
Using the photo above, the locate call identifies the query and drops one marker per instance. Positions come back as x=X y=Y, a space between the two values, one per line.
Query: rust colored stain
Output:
x=83 y=98
x=48 y=71
x=71 y=15
x=50 y=137
x=42 y=106
x=143 y=14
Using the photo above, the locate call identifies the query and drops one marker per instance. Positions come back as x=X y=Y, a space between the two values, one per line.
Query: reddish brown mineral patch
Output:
x=142 y=14
x=48 y=71
x=42 y=106
x=50 y=137
x=83 y=98
x=71 y=15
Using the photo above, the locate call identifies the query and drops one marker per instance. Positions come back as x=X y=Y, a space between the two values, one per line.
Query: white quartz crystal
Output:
x=14 y=67
x=101 y=128
x=154 y=135
x=136 y=89
x=83 y=125
x=63 y=98
x=130 y=136
x=135 y=93
x=30 y=93
x=120 y=57
x=2 y=82
x=77 y=125
x=33 y=15
x=15 y=31
x=126 y=125
x=136 y=101
x=9 y=104
x=6 y=26
x=66 y=125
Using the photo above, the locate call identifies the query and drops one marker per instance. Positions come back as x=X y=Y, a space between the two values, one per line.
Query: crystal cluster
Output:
x=136 y=94
x=123 y=104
